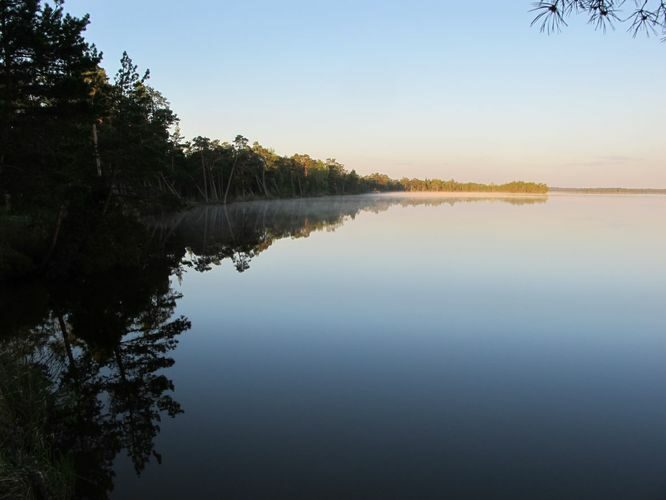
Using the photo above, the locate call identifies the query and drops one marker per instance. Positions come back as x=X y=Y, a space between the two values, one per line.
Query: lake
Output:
x=380 y=346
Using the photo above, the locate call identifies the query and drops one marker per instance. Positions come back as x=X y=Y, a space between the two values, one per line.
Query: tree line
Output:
x=453 y=186
x=78 y=145
x=70 y=133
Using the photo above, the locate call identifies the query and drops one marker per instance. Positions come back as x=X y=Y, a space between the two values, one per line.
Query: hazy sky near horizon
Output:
x=426 y=88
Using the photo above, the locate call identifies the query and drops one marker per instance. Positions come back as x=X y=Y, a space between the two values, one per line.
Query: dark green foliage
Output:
x=79 y=151
x=467 y=187
x=45 y=109
x=223 y=172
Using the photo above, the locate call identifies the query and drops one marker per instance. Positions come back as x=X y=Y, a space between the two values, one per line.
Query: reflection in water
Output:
x=84 y=360
x=84 y=369
x=243 y=230
x=91 y=375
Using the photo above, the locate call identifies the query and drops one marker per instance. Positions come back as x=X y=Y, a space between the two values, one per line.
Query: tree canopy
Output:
x=80 y=149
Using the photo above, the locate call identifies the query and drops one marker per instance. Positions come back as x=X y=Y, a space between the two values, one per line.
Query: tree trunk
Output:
x=263 y=179
x=170 y=187
x=231 y=178
x=205 y=180
x=257 y=180
x=98 y=161
x=263 y=182
x=213 y=187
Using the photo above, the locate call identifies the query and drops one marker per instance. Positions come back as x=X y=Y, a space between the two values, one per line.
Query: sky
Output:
x=426 y=88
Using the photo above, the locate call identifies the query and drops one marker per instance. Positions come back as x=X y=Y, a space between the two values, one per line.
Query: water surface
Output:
x=413 y=346
x=429 y=347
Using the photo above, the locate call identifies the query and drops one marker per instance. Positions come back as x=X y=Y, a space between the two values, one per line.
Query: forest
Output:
x=452 y=186
x=79 y=147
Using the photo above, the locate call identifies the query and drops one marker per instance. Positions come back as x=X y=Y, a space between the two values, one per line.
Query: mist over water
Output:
x=202 y=313
x=420 y=347
x=372 y=346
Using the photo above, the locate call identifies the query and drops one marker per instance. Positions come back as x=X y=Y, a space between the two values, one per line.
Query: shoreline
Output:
x=449 y=194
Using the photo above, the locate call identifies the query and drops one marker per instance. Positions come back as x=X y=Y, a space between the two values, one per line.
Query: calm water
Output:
x=398 y=346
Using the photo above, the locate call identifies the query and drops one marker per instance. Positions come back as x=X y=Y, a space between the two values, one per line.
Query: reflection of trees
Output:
x=241 y=231
x=100 y=353
x=84 y=361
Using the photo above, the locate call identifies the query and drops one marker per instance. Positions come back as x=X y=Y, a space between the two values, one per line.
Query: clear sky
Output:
x=422 y=88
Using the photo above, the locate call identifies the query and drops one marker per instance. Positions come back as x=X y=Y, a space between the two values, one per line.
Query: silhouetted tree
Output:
x=640 y=16
x=80 y=152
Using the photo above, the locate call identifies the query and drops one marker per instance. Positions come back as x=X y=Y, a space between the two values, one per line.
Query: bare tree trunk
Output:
x=199 y=189
x=170 y=187
x=231 y=177
x=205 y=180
x=98 y=161
x=263 y=180
x=213 y=187
x=257 y=180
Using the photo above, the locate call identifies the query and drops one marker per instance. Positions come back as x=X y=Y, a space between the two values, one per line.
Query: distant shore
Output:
x=466 y=194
